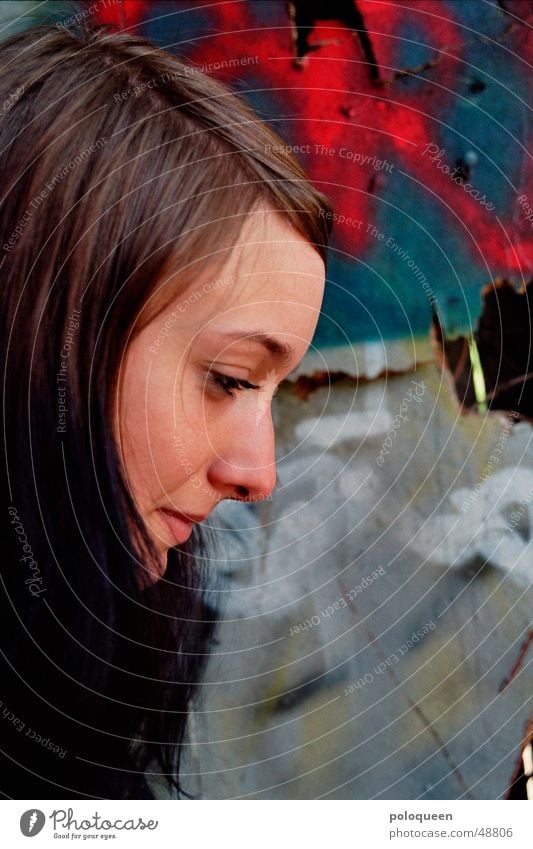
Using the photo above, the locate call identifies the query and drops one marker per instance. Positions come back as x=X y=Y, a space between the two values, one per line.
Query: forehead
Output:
x=271 y=279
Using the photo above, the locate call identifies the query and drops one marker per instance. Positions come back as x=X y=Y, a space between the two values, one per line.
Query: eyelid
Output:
x=228 y=383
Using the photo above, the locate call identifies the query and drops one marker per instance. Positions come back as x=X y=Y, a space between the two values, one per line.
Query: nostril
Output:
x=242 y=492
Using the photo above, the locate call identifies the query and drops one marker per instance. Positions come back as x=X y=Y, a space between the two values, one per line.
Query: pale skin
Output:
x=196 y=384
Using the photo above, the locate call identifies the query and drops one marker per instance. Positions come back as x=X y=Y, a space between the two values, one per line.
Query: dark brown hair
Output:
x=118 y=162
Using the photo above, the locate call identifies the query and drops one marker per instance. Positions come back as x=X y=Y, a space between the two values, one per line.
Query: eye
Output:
x=229 y=384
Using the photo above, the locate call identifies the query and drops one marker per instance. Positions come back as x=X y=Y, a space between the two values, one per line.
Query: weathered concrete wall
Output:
x=315 y=689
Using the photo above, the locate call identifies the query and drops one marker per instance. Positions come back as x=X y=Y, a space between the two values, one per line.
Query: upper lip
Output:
x=187 y=517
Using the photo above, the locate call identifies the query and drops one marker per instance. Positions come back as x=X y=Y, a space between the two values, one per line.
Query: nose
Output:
x=244 y=466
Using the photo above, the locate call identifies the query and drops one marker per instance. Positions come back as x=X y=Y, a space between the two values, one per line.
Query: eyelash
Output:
x=227 y=383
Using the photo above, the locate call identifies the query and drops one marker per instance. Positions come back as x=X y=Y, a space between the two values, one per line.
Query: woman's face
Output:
x=196 y=384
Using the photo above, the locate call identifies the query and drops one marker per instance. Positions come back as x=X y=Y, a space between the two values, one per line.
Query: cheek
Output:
x=145 y=421
x=166 y=434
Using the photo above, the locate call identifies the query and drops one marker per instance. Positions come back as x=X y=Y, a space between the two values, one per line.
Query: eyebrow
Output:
x=280 y=351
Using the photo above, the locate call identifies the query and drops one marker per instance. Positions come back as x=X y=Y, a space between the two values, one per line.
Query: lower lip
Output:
x=181 y=529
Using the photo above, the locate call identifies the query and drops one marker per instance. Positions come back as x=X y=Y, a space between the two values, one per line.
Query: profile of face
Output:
x=196 y=383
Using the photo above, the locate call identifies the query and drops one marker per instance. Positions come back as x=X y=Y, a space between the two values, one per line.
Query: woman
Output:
x=162 y=271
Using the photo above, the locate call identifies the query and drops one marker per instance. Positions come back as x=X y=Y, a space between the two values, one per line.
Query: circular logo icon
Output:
x=31 y=822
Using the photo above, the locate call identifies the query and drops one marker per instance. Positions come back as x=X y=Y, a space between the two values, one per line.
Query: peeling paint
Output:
x=503 y=337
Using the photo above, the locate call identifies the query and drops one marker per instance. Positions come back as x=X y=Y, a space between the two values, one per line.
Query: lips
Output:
x=180 y=525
